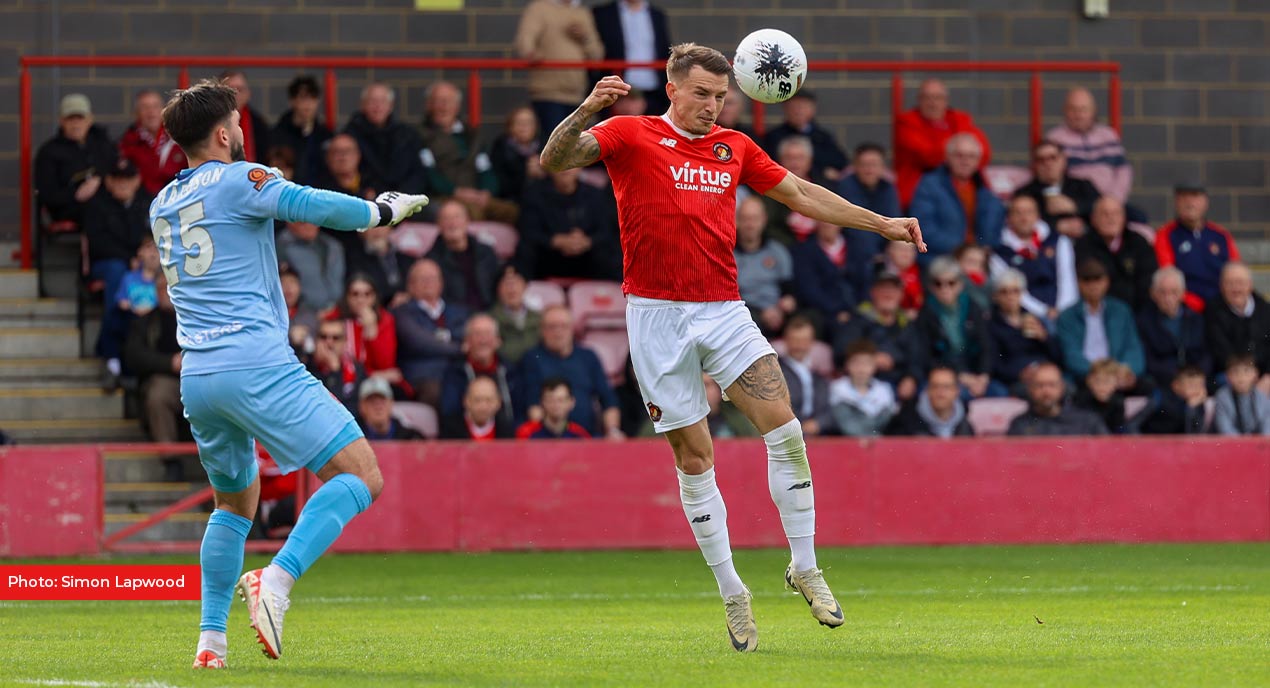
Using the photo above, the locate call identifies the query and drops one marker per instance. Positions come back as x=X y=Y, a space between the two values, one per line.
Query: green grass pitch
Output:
x=1086 y=615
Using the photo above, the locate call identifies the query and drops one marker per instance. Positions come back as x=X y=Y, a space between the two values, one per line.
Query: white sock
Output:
x=789 y=479
x=113 y=365
x=214 y=641
x=708 y=518
x=277 y=579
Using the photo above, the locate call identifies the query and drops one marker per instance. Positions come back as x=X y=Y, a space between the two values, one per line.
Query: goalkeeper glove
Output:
x=395 y=207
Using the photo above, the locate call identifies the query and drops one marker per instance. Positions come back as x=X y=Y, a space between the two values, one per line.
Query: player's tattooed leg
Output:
x=764 y=380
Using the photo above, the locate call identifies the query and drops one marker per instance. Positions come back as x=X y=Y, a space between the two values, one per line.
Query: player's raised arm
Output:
x=568 y=146
x=284 y=200
x=819 y=203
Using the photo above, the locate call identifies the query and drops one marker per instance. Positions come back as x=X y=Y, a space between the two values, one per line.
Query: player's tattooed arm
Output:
x=764 y=380
x=569 y=146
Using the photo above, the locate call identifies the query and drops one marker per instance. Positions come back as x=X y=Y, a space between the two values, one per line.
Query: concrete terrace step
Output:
x=62 y=403
x=11 y=307
x=48 y=342
x=187 y=525
x=73 y=431
x=27 y=373
x=144 y=467
x=19 y=284
x=9 y=323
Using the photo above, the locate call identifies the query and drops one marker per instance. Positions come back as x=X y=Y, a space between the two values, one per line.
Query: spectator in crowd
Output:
x=790 y=227
x=303 y=320
x=937 y=412
x=514 y=154
x=953 y=331
x=1172 y=334
x=1100 y=326
x=147 y=145
x=480 y=360
x=482 y=417
x=333 y=366
x=137 y=294
x=1093 y=150
x=153 y=355
x=389 y=148
x=282 y=158
x=1101 y=394
x=301 y=129
x=724 y=419
x=318 y=259
x=568 y=229
x=469 y=267
x=953 y=203
x=1127 y=256
x=1237 y=321
x=1065 y=202
x=1181 y=408
x=922 y=136
x=455 y=163
x=343 y=169
x=1047 y=415
x=115 y=224
x=633 y=104
x=828 y=160
x=973 y=260
x=379 y=260
x=558 y=356
x=556 y=31
x=371 y=330
x=868 y=187
x=1045 y=257
x=1242 y=409
x=882 y=321
x=557 y=404
x=429 y=330
x=69 y=167
x=730 y=116
x=254 y=125
x=636 y=31
x=374 y=413
x=1198 y=246
x=822 y=284
x=808 y=390
x=764 y=269
x=900 y=258
x=519 y=326
x=862 y=405
x=1019 y=338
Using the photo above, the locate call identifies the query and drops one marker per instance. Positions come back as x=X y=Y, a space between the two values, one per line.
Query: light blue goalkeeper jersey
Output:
x=214 y=228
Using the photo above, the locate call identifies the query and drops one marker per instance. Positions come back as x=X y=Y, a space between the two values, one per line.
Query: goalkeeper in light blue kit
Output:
x=239 y=378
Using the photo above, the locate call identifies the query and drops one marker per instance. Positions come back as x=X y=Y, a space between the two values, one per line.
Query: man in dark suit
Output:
x=808 y=390
x=429 y=331
x=635 y=30
x=1172 y=334
x=1065 y=201
x=481 y=418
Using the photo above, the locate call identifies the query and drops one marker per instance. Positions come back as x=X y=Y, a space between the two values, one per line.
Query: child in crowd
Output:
x=1242 y=409
x=1182 y=409
x=557 y=403
x=973 y=260
x=1100 y=394
x=135 y=297
x=861 y=404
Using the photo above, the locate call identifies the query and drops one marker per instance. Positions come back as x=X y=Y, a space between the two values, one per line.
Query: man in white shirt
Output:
x=634 y=30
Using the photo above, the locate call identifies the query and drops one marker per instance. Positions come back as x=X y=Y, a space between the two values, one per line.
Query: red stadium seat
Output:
x=500 y=236
x=1004 y=179
x=540 y=295
x=821 y=357
x=992 y=416
x=613 y=348
x=597 y=305
x=415 y=238
x=419 y=417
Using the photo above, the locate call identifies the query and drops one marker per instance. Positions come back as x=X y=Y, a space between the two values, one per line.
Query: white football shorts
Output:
x=673 y=342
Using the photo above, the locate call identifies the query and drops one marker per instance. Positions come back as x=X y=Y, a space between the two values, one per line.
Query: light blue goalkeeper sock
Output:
x=221 y=559
x=321 y=521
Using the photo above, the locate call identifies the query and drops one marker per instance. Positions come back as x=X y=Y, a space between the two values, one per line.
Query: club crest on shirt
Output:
x=1214 y=249
x=259 y=176
x=723 y=152
x=654 y=412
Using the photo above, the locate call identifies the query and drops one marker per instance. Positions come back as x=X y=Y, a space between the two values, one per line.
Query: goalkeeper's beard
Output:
x=236 y=152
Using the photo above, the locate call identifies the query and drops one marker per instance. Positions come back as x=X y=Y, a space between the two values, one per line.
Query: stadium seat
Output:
x=821 y=356
x=419 y=417
x=539 y=295
x=1004 y=179
x=597 y=304
x=613 y=347
x=992 y=416
x=500 y=236
x=415 y=238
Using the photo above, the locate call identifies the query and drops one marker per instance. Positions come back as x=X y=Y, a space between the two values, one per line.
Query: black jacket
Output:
x=151 y=344
x=510 y=167
x=1014 y=352
x=388 y=272
x=454 y=427
x=826 y=153
x=470 y=277
x=909 y=423
x=114 y=230
x=1070 y=421
x=262 y=135
x=61 y=165
x=1130 y=268
x=1166 y=353
x=1111 y=411
x=546 y=212
x=899 y=340
x=310 y=161
x=1081 y=191
x=1169 y=415
x=935 y=347
x=1229 y=334
x=390 y=154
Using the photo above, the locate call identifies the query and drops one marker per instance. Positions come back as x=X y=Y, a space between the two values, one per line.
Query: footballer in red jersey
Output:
x=675 y=177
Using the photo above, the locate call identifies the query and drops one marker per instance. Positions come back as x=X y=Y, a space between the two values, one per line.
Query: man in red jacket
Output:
x=154 y=153
x=922 y=135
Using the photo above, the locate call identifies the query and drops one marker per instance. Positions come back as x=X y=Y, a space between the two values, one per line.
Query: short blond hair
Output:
x=685 y=56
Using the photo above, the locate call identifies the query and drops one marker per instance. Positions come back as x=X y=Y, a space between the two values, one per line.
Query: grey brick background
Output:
x=1196 y=73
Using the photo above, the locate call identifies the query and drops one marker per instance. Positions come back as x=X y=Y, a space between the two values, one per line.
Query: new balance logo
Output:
x=800 y=486
x=701 y=519
x=669 y=142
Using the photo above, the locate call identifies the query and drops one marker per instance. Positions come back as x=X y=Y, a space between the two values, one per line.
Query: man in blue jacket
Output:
x=1100 y=327
x=954 y=205
x=867 y=187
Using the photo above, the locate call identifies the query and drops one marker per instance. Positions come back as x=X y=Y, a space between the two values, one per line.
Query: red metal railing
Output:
x=474 y=67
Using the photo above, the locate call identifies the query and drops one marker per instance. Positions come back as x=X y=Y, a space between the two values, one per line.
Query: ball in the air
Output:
x=769 y=66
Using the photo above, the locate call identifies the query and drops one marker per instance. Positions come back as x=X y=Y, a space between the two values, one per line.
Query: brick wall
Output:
x=1196 y=72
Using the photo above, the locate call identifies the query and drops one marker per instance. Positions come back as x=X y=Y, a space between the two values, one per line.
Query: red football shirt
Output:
x=676 y=204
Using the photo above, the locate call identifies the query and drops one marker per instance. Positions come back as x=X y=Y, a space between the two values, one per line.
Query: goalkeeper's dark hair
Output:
x=685 y=56
x=192 y=114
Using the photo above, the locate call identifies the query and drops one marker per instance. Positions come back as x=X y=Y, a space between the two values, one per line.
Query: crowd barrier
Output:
x=443 y=496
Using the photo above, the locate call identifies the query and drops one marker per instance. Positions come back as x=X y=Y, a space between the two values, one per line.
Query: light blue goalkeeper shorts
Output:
x=283 y=406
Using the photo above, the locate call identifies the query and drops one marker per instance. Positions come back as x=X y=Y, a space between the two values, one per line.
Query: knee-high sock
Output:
x=221 y=559
x=321 y=521
x=789 y=479
x=708 y=518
